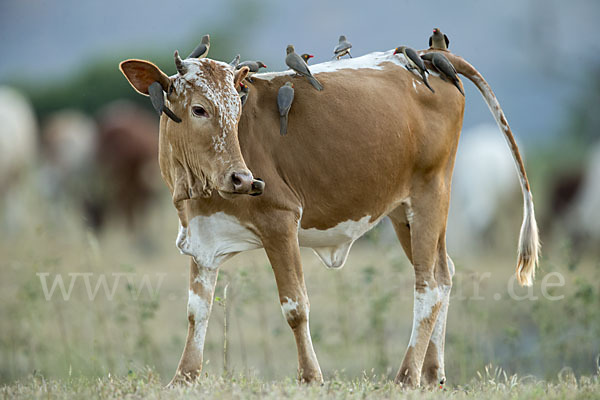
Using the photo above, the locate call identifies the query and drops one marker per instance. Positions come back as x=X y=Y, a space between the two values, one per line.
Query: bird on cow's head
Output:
x=200 y=154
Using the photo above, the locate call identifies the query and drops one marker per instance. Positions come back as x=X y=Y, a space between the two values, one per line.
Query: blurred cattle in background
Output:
x=18 y=147
x=127 y=157
x=17 y=137
x=583 y=216
x=484 y=182
x=67 y=153
x=107 y=167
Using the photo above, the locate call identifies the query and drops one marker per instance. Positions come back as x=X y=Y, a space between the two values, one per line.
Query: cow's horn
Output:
x=179 y=63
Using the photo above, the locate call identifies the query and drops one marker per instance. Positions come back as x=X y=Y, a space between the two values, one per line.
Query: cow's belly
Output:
x=333 y=245
x=210 y=240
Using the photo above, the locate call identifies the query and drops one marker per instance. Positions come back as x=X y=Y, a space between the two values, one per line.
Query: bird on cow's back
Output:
x=438 y=40
x=253 y=67
x=414 y=62
x=296 y=63
x=444 y=67
x=306 y=57
x=285 y=97
x=342 y=48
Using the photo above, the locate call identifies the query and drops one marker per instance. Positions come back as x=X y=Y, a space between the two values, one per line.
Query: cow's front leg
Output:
x=202 y=288
x=284 y=255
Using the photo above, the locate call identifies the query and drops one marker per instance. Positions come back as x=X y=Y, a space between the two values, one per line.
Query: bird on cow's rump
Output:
x=296 y=63
x=438 y=40
x=306 y=57
x=201 y=51
x=253 y=68
x=342 y=48
x=444 y=67
x=414 y=62
x=285 y=97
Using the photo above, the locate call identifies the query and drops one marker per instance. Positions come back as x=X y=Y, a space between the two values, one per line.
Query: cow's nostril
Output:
x=236 y=180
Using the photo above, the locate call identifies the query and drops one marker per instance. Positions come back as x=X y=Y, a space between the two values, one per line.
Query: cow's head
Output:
x=199 y=148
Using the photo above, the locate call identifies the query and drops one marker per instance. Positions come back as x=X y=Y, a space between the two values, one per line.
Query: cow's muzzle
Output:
x=244 y=183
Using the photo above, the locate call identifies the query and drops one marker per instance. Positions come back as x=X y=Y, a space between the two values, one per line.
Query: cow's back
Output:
x=355 y=148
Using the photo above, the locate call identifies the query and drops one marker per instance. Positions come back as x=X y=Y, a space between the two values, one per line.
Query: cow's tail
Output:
x=529 y=245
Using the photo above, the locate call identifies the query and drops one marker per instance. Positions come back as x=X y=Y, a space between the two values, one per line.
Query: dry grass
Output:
x=360 y=319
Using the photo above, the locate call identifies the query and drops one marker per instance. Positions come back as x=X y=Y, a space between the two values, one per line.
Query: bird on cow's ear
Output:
x=147 y=79
x=201 y=51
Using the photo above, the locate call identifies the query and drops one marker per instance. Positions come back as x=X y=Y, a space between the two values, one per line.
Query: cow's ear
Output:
x=141 y=74
x=240 y=75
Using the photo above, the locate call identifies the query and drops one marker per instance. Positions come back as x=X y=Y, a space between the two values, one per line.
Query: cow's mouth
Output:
x=257 y=188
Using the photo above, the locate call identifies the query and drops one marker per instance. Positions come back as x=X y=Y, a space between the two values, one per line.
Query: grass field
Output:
x=123 y=338
x=492 y=384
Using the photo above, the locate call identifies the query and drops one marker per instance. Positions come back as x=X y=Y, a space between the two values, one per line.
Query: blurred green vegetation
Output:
x=99 y=81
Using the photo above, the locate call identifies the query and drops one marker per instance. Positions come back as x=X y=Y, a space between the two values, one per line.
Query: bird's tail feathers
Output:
x=313 y=81
x=283 y=120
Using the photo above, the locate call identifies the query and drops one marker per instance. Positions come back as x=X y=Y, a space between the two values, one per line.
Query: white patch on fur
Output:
x=422 y=308
x=288 y=308
x=206 y=277
x=373 y=60
x=414 y=85
x=437 y=335
x=333 y=245
x=199 y=308
x=214 y=238
x=221 y=94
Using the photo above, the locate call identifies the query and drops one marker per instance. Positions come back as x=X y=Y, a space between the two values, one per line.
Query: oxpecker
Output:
x=295 y=62
x=285 y=97
x=244 y=91
x=444 y=68
x=306 y=57
x=157 y=97
x=438 y=40
x=201 y=50
x=414 y=62
x=253 y=66
x=342 y=48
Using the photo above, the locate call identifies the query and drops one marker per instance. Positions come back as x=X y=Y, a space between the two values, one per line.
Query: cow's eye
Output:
x=199 y=111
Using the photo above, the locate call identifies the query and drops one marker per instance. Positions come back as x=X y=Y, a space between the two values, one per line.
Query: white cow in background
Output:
x=18 y=146
x=583 y=221
x=17 y=137
x=484 y=181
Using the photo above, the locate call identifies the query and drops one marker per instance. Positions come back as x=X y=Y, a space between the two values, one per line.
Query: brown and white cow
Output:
x=374 y=143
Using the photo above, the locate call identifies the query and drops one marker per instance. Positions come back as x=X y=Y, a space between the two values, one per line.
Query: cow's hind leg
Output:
x=433 y=372
x=420 y=224
x=202 y=288
x=284 y=254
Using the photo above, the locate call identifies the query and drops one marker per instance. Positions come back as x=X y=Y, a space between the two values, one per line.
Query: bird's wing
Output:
x=447 y=40
x=297 y=64
x=342 y=46
x=198 y=51
x=252 y=65
x=414 y=56
x=285 y=97
x=430 y=41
